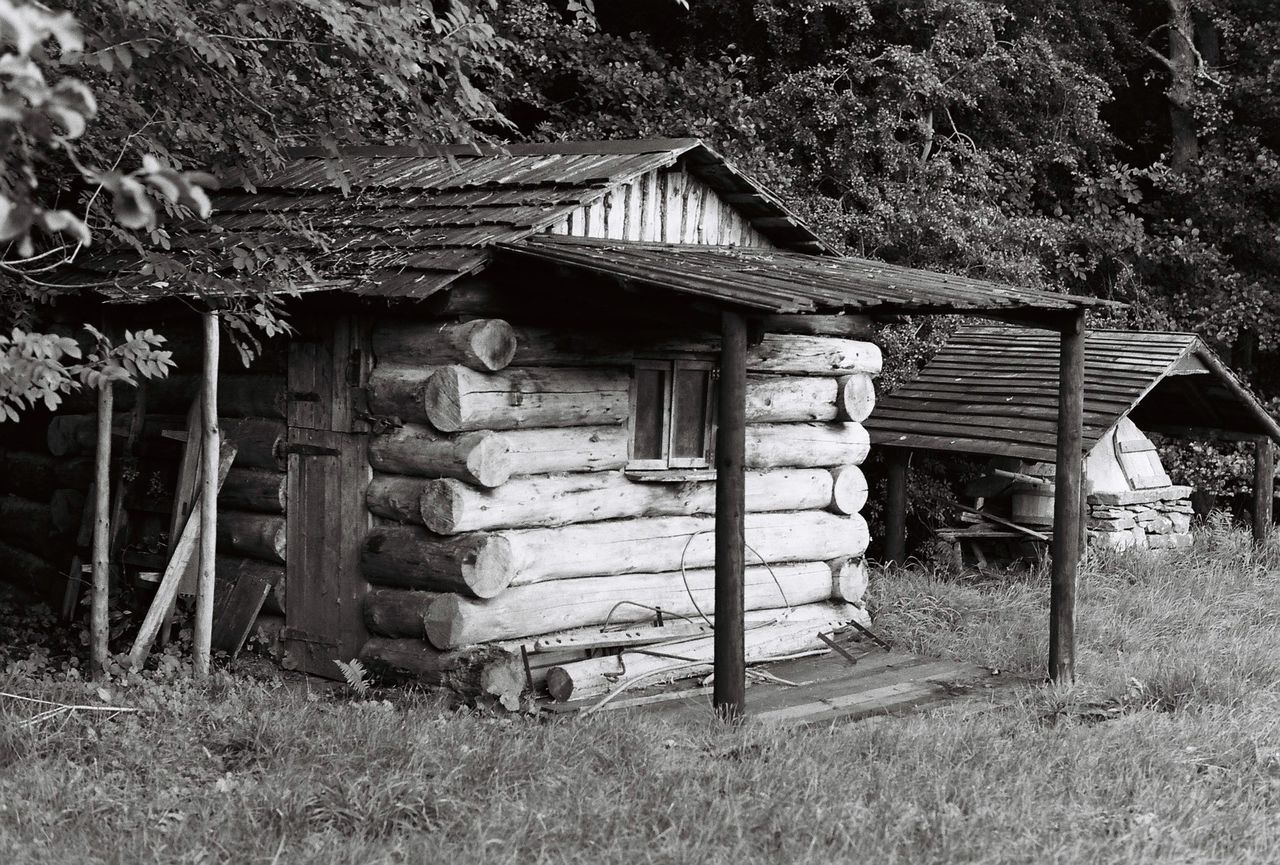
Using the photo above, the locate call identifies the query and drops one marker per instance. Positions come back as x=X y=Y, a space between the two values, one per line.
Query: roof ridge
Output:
x=429 y=150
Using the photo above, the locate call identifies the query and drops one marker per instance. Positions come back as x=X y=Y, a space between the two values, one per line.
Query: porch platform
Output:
x=827 y=689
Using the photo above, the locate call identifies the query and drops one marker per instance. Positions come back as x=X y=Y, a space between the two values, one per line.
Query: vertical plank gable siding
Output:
x=669 y=206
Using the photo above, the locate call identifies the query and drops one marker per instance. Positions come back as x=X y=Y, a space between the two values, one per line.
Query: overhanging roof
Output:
x=777 y=281
x=994 y=390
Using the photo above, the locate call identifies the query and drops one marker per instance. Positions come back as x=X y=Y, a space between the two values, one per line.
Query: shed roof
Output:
x=777 y=281
x=406 y=222
x=994 y=390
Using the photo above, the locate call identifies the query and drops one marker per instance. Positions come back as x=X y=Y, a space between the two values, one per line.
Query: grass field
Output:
x=1167 y=750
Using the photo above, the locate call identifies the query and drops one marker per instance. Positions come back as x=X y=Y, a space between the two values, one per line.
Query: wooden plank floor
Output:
x=827 y=689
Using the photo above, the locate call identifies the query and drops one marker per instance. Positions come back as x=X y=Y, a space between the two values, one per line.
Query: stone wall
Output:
x=1156 y=519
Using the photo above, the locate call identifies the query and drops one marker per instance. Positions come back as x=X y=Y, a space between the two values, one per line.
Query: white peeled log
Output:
x=548 y=450
x=481 y=458
x=410 y=557
x=849 y=489
x=806 y=444
x=794 y=630
x=456 y=398
x=655 y=544
x=849 y=579
x=542 y=608
x=856 y=398
x=258 y=536
x=791 y=398
x=485 y=344
x=450 y=506
x=787 y=354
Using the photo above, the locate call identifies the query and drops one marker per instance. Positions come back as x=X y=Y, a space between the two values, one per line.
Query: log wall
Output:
x=506 y=517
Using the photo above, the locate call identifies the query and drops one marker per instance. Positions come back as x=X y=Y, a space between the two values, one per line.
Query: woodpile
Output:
x=507 y=519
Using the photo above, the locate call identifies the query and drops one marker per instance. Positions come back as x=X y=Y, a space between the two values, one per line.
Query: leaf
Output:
x=132 y=208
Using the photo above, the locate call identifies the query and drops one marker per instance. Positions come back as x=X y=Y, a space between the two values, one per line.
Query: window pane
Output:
x=651 y=403
x=689 y=414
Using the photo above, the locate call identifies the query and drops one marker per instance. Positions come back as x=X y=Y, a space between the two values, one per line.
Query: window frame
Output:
x=672 y=364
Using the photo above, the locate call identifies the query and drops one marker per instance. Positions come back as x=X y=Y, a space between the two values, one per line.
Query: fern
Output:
x=356 y=676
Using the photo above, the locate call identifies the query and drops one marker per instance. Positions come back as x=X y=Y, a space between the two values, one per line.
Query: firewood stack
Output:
x=506 y=519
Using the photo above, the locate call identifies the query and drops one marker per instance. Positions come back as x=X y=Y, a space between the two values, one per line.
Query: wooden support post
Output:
x=98 y=625
x=210 y=448
x=895 y=509
x=1264 y=478
x=1067 y=523
x=731 y=445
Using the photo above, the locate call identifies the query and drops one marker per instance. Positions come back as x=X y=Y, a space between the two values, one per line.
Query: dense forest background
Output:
x=1128 y=149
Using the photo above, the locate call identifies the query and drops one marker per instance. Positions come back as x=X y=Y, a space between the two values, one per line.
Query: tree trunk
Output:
x=1183 y=64
x=481 y=673
x=791 y=633
x=480 y=458
x=483 y=344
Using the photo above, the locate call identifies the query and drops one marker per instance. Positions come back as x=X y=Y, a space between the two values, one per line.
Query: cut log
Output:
x=849 y=491
x=848 y=579
x=792 y=632
x=449 y=506
x=806 y=444
x=485 y=344
x=398 y=390
x=480 y=673
x=229 y=569
x=456 y=398
x=259 y=442
x=542 y=608
x=260 y=490
x=37 y=475
x=786 y=399
x=549 y=450
x=856 y=398
x=258 y=536
x=480 y=458
x=775 y=353
x=401 y=612
x=412 y=558
x=657 y=544
x=239 y=396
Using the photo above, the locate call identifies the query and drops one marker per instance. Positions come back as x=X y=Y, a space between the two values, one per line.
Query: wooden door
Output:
x=327 y=519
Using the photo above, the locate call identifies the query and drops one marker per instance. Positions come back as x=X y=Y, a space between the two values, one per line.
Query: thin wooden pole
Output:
x=895 y=509
x=1264 y=479
x=1068 y=485
x=729 y=697
x=98 y=621
x=210 y=449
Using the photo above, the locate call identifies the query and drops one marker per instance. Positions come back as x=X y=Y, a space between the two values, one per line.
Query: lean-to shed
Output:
x=993 y=391
x=545 y=389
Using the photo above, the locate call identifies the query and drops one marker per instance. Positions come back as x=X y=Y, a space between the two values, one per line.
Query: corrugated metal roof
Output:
x=994 y=390
x=789 y=282
x=406 y=222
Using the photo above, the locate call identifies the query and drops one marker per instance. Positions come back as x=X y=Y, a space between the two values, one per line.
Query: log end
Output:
x=488 y=566
x=489 y=462
x=442 y=621
x=855 y=398
x=443 y=505
x=848 y=579
x=442 y=399
x=491 y=344
x=849 y=490
x=559 y=684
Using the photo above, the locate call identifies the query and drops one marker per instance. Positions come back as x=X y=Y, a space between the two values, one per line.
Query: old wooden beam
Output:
x=1068 y=525
x=729 y=697
x=210 y=450
x=895 y=509
x=1264 y=477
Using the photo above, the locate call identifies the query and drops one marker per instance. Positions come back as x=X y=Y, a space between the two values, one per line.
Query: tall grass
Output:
x=1167 y=750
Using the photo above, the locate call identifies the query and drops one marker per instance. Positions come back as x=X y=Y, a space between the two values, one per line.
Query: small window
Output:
x=671 y=414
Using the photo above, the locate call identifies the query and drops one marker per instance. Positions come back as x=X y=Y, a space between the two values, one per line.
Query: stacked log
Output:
x=506 y=517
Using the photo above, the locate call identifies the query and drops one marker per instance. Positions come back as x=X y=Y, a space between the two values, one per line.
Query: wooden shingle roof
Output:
x=994 y=390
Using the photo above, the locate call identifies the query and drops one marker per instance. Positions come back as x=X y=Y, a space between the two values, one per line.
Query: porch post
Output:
x=210 y=451
x=730 y=648
x=895 y=508
x=1264 y=478
x=1068 y=525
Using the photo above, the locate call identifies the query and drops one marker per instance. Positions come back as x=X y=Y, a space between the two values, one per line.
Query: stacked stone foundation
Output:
x=1155 y=519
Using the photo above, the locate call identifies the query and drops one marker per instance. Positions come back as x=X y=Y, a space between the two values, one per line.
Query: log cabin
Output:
x=548 y=400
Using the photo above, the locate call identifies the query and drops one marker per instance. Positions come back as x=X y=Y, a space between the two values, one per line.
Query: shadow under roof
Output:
x=994 y=391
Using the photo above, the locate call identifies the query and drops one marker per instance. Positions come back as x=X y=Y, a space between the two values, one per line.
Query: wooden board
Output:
x=236 y=607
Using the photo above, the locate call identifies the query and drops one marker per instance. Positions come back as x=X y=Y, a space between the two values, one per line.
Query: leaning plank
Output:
x=450 y=506
x=236 y=609
x=480 y=458
x=260 y=490
x=485 y=344
x=412 y=558
x=182 y=553
x=558 y=605
x=258 y=536
x=228 y=569
x=477 y=673
x=793 y=631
